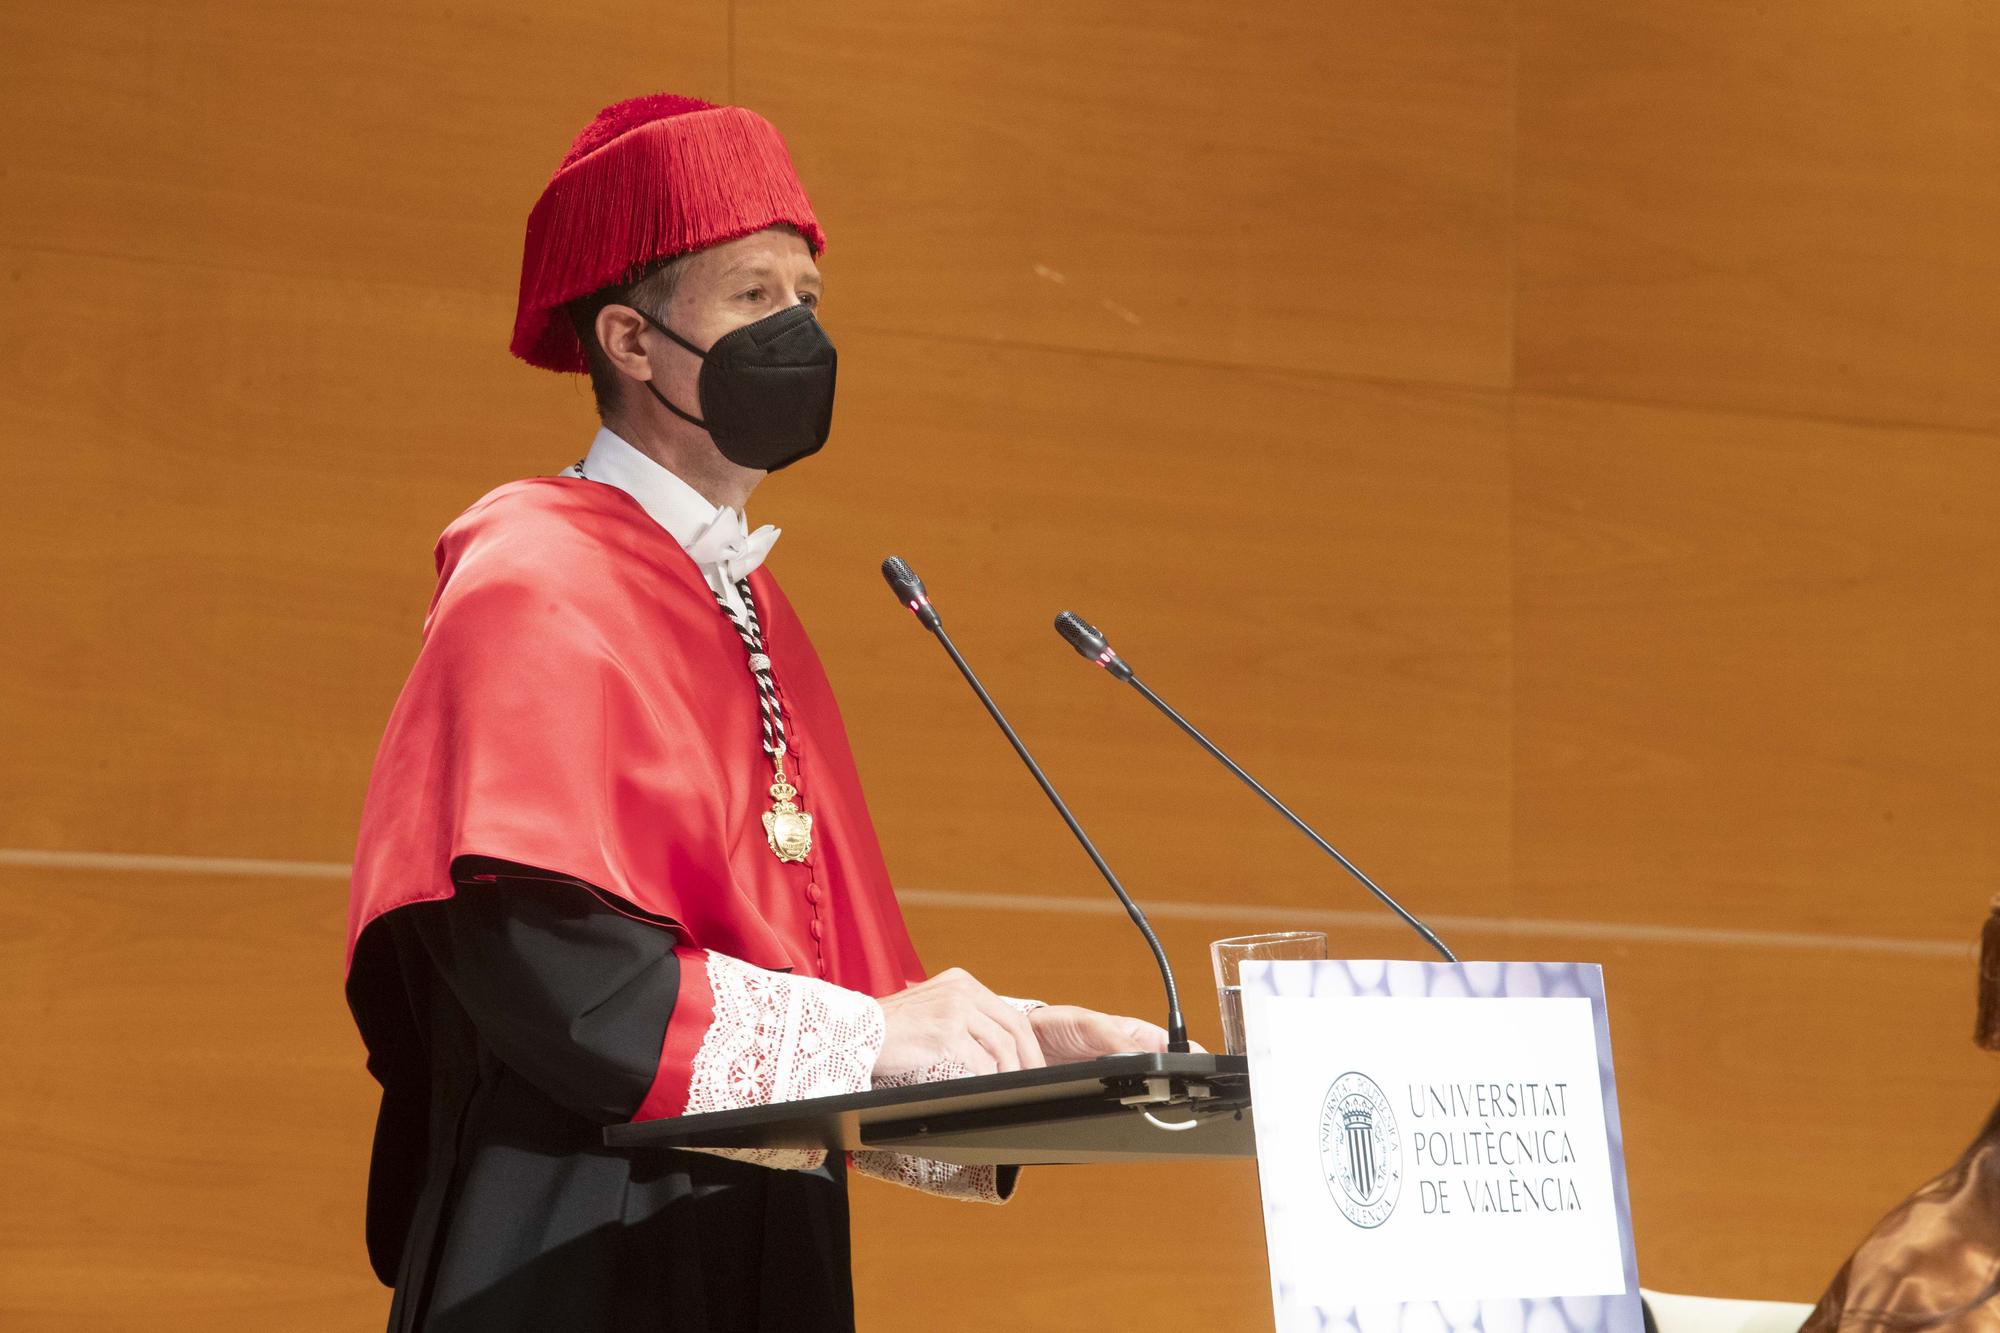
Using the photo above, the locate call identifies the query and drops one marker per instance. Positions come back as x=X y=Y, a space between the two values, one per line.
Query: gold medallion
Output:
x=787 y=828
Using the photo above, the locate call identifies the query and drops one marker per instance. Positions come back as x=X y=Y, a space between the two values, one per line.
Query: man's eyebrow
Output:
x=751 y=268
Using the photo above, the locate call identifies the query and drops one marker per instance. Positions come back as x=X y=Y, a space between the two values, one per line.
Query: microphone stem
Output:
x=1285 y=810
x=1177 y=1038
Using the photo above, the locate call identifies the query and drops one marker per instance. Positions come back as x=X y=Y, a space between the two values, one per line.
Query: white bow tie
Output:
x=727 y=545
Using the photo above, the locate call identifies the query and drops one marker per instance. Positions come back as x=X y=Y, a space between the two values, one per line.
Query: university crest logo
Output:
x=1360 y=1150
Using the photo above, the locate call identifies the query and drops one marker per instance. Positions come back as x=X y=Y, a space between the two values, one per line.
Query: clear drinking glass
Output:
x=1230 y=955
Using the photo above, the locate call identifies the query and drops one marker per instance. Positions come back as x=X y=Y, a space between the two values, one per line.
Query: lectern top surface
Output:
x=1072 y=1112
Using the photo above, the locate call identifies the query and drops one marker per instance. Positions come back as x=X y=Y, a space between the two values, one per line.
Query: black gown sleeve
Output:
x=570 y=993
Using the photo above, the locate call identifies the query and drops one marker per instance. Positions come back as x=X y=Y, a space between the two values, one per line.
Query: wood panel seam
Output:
x=959 y=899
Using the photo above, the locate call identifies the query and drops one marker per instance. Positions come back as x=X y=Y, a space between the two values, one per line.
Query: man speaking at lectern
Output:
x=614 y=862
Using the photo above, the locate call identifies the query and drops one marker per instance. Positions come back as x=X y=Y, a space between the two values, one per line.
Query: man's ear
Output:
x=618 y=329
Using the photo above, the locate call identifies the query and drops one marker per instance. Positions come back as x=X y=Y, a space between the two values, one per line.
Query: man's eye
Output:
x=810 y=300
x=754 y=294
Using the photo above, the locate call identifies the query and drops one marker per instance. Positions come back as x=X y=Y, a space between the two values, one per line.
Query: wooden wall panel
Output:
x=1203 y=324
x=370 y=140
x=1755 y=670
x=1302 y=187
x=1372 y=678
x=1778 y=1103
x=186 y=1128
x=1312 y=568
x=223 y=541
x=285 y=248
x=188 y=1121
x=1786 y=206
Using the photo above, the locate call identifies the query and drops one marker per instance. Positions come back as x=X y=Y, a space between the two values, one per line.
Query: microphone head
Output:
x=909 y=589
x=1081 y=635
x=902 y=580
x=1089 y=641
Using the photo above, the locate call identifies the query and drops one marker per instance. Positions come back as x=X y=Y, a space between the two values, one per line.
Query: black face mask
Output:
x=766 y=389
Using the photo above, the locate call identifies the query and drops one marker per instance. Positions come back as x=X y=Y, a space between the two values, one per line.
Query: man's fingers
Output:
x=1028 y=1047
x=996 y=1039
x=1111 y=1034
x=1015 y=1046
x=974 y=1055
x=990 y=1034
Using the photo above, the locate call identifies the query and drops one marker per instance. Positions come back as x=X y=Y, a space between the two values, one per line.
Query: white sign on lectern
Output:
x=1438 y=1147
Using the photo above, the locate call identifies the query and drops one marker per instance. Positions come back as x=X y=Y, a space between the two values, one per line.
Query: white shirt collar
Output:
x=718 y=539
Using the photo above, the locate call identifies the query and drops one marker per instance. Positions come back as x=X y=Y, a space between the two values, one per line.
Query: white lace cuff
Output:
x=972 y=1184
x=968 y=1184
x=775 y=1037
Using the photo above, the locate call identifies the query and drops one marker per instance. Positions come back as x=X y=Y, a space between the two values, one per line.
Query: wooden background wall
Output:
x=1555 y=440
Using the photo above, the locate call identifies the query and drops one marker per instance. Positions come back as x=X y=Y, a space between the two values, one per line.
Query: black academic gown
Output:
x=521 y=1017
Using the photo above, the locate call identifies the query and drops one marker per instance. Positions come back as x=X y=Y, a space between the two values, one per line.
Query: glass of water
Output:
x=1231 y=954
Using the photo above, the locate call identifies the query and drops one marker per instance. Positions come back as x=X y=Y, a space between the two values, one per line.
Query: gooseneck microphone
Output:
x=909 y=590
x=1089 y=642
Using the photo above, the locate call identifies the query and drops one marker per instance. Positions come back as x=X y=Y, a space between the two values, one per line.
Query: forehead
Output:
x=774 y=250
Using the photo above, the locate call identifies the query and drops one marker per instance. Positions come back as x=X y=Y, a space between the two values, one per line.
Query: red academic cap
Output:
x=650 y=177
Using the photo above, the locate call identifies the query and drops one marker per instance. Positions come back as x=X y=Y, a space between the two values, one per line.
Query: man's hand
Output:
x=1067 y=1032
x=953 y=1019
